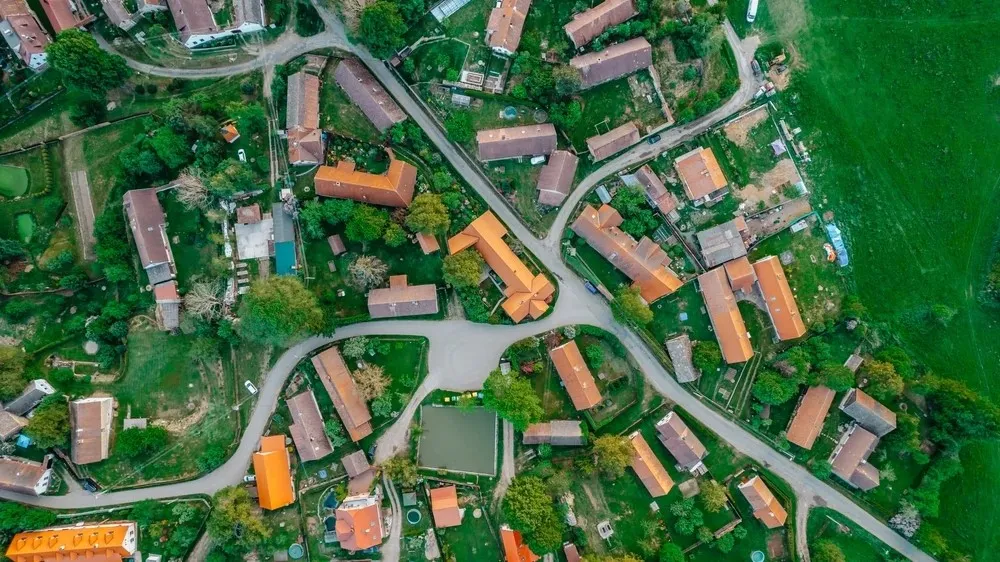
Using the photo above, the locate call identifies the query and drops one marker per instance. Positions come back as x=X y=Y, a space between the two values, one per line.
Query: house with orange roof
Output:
x=391 y=189
x=527 y=293
x=575 y=375
x=648 y=468
x=229 y=133
x=807 y=422
x=339 y=385
x=701 y=175
x=66 y=14
x=725 y=316
x=514 y=549
x=273 y=467
x=741 y=274
x=505 y=25
x=444 y=507
x=781 y=306
x=359 y=524
x=766 y=507
x=644 y=262
x=111 y=541
x=428 y=242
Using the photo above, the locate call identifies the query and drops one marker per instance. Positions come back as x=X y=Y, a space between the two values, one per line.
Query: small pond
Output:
x=25 y=226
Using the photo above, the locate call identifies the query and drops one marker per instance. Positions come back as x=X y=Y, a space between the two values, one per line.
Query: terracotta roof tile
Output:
x=575 y=375
x=649 y=468
x=273 y=470
x=65 y=15
x=444 y=507
x=505 y=25
x=359 y=523
x=727 y=322
x=700 y=173
x=402 y=299
x=613 y=62
x=104 y=542
x=514 y=549
x=339 y=384
x=849 y=459
x=766 y=508
x=391 y=189
x=614 y=141
x=90 y=427
x=514 y=142
x=807 y=423
x=781 y=305
x=584 y=27
x=656 y=191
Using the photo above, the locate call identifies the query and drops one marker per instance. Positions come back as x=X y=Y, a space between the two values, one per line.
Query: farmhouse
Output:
x=648 y=468
x=360 y=474
x=391 y=189
x=307 y=427
x=23 y=33
x=558 y=433
x=766 y=507
x=506 y=23
x=556 y=178
x=444 y=507
x=339 y=384
x=368 y=94
x=359 y=523
x=725 y=316
x=527 y=293
x=149 y=231
x=90 y=428
x=682 y=444
x=584 y=27
x=724 y=242
x=516 y=142
x=115 y=540
x=196 y=23
x=807 y=423
x=31 y=396
x=305 y=138
x=644 y=262
x=401 y=299
x=273 y=468
x=868 y=412
x=514 y=549
x=23 y=476
x=656 y=193
x=701 y=176
x=850 y=458
x=66 y=14
x=575 y=375
x=778 y=298
x=614 y=62
x=613 y=141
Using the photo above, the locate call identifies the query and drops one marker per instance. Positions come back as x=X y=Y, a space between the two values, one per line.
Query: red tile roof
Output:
x=575 y=375
x=807 y=423
x=391 y=189
x=339 y=384
x=556 y=178
x=781 y=305
x=514 y=549
x=584 y=27
x=444 y=507
x=514 y=142
x=613 y=62
x=648 y=468
x=614 y=141
x=505 y=25
x=727 y=322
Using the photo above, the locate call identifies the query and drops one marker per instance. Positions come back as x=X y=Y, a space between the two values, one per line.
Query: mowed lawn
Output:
x=900 y=106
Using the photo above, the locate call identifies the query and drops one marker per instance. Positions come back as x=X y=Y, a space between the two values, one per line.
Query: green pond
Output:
x=13 y=181
x=25 y=226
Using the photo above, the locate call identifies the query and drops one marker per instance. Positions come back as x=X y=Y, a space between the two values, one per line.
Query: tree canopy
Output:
x=401 y=470
x=463 y=269
x=772 y=388
x=826 y=550
x=235 y=523
x=884 y=383
x=277 y=310
x=367 y=223
x=84 y=65
x=428 y=214
x=612 y=454
x=381 y=28
x=628 y=306
x=12 y=378
x=670 y=552
x=135 y=442
x=706 y=355
x=513 y=398
x=529 y=508
x=713 y=496
x=49 y=426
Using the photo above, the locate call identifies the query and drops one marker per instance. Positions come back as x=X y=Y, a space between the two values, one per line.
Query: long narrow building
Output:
x=585 y=26
x=613 y=62
x=727 y=322
x=336 y=379
x=394 y=188
x=368 y=94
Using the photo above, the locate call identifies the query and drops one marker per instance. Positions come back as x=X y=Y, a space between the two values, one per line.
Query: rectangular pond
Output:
x=458 y=440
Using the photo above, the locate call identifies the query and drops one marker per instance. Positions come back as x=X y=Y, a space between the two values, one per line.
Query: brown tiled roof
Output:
x=869 y=413
x=105 y=542
x=514 y=142
x=339 y=384
x=807 y=423
x=366 y=93
x=613 y=62
x=503 y=29
x=21 y=476
x=570 y=552
x=514 y=549
x=25 y=24
x=10 y=424
x=336 y=244
x=117 y=13
x=613 y=141
x=302 y=103
x=781 y=305
x=273 y=468
x=700 y=173
x=148 y=224
x=391 y=189
x=9 y=8
x=229 y=133
x=192 y=17
x=307 y=428
x=644 y=262
x=444 y=507
x=64 y=15
x=648 y=468
x=741 y=274
x=248 y=215
x=167 y=293
x=655 y=190
x=527 y=293
x=722 y=243
x=428 y=242
x=90 y=424
x=555 y=432
x=305 y=146
x=359 y=523
x=849 y=460
x=683 y=445
x=727 y=322
x=401 y=299
x=556 y=178
x=355 y=464
x=766 y=508
x=575 y=375
x=584 y=27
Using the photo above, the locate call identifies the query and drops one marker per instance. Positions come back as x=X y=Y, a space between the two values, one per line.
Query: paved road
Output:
x=465 y=366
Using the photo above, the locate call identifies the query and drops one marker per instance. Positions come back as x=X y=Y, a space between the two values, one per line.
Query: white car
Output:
x=242 y=154
x=250 y=387
x=249 y=478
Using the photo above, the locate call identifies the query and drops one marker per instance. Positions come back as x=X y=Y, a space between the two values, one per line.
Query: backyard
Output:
x=337 y=113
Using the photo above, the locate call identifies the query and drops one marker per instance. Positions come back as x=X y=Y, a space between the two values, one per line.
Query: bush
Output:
x=307 y=20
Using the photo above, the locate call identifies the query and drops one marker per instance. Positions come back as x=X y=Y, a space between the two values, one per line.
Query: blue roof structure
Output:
x=284 y=257
x=838 y=244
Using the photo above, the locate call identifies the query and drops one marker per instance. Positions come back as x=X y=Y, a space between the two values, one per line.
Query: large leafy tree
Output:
x=958 y=415
x=381 y=28
x=826 y=551
x=706 y=356
x=835 y=376
x=401 y=470
x=12 y=379
x=84 y=65
x=49 y=426
x=529 y=508
x=612 y=454
x=235 y=523
x=367 y=223
x=15 y=518
x=884 y=382
x=135 y=442
x=463 y=269
x=10 y=249
x=277 y=310
x=670 y=552
x=713 y=496
x=428 y=214
x=513 y=398
x=628 y=307
x=772 y=388
x=230 y=177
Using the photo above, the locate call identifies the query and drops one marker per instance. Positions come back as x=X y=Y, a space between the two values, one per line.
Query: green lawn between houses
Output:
x=13 y=181
x=853 y=541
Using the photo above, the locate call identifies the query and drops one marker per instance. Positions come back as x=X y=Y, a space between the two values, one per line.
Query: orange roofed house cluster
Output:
x=527 y=293
x=391 y=189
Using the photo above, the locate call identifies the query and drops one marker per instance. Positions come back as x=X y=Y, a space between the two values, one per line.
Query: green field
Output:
x=854 y=542
x=13 y=181
x=899 y=104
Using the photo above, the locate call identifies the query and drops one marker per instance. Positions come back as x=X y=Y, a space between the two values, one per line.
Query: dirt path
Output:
x=83 y=205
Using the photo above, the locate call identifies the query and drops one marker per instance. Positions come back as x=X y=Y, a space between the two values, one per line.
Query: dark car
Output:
x=653 y=139
x=590 y=287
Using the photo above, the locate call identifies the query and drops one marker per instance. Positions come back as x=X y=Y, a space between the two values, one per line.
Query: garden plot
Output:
x=458 y=440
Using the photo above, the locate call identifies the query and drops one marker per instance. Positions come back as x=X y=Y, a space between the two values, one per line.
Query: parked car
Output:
x=249 y=478
x=242 y=154
x=250 y=387
x=653 y=139
x=590 y=287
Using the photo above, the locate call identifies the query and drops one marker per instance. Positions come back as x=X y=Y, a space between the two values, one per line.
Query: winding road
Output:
x=461 y=354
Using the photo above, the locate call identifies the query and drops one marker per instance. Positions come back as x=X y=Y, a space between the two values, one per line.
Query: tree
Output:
x=428 y=214
x=513 y=398
x=382 y=406
x=689 y=517
x=230 y=177
x=84 y=65
x=612 y=454
x=11 y=249
x=401 y=470
x=394 y=235
x=211 y=458
x=464 y=269
x=12 y=378
x=459 y=126
x=821 y=469
x=204 y=300
x=15 y=518
x=906 y=520
x=371 y=381
x=335 y=431
x=49 y=426
x=134 y=442
x=670 y=552
x=900 y=360
x=706 y=356
x=191 y=191
x=835 y=376
x=628 y=307
x=530 y=509
x=366 y=224
x=883 y=381
x=235 y=523
x=942 y=314
x=173 y=149
x=355 y=347
x=958 y=415
x=826 y=550
x=713 y=496
x=368 y=271
x=595 y=356
x=381 y=28
x=772 y=388
x=567 y=79
x=277 y=310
